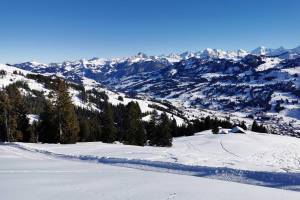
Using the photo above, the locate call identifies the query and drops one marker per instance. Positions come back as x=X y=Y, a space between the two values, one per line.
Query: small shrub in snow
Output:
x=215 y=130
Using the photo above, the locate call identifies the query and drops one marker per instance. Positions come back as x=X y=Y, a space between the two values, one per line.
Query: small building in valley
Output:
x=237 y=129
x=223 y=131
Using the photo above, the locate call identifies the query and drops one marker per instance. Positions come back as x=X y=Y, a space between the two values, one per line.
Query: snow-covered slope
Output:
x=19 y=75
x=251 y=151
x=13 y=75
x=27 y=175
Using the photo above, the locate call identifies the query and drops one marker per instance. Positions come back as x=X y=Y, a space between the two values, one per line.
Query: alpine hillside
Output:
x=262 y=84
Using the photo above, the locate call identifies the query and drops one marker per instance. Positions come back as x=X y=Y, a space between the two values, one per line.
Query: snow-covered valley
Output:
x=227 y=83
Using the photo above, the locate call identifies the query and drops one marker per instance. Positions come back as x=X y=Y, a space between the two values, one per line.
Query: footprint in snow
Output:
x=171 y=196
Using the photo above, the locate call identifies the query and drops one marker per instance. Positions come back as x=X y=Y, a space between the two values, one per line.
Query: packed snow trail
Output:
x=290 y=181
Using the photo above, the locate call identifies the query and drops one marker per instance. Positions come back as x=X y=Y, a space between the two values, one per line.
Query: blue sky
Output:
x=57 y=30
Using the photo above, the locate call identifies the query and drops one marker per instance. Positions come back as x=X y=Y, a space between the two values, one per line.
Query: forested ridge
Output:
x=59 y=121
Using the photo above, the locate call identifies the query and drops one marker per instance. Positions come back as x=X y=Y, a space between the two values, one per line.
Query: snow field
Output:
x=29 y=175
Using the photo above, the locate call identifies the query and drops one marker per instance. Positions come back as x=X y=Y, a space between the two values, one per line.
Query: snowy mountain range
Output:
x=239 y=84
x=279 y=52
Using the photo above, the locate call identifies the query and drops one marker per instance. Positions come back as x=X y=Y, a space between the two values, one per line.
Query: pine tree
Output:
x=215 y=129
x=207 y=123
x=17 y=122
x=174 y=129
x=23 y=122
x=14 y=123
x=85 y=132
x=48 y=129
x=135 y=131
x=199 y=125
x=90 y=127
x=190 y=129
x=67 y=120
x=109 y=134
x=164 y=137
x=95 y=130
x=243 y=125
x=255 y=126
x=119 y=119
x=140 y=138
x=33 y=132
x=151 y=128
x=259 y=128
x=4 y=117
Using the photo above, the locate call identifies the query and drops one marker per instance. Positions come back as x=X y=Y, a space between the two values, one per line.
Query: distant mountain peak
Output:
x=208 y=53
x=187 y=55
x=261 y=50
x=141 y=55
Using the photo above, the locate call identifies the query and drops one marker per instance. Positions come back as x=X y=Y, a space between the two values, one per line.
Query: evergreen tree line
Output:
x=14 y=124
x=61 y=122
x=124 y=124
x=260 y=128
x=213 y=124
x=199 y=125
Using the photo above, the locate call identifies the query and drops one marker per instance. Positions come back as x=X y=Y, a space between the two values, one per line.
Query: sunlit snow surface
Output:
x=252 y=158
x=252 y=151
x=35 y=176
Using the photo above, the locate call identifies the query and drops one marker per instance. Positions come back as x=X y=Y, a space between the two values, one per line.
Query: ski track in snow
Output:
x=227 y=150
x=289 y=181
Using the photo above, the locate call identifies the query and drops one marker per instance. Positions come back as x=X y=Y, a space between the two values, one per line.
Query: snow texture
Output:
x=29 y=175
x=252 y=158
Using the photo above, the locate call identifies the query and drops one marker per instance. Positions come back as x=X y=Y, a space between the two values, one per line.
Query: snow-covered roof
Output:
x=223 y=131
x=237 y=129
